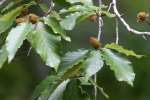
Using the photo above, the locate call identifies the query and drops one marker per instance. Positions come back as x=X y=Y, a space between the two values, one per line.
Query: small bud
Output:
x=94 y=42
x=142 y=16
x=93 y=17
x=33 y=18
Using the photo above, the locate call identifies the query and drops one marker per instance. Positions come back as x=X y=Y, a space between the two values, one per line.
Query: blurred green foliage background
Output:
x=18 y=79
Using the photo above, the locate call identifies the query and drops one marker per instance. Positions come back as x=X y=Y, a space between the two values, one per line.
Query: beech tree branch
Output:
x=124 y=22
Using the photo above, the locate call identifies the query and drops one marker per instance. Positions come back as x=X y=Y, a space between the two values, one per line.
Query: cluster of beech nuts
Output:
x=94 y=42
x=26 y=17
x=142 y=16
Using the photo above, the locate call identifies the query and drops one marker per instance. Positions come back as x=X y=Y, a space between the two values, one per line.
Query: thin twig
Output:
x=100 y=22
x=98 y=87
x=50 y=7
x=124 y=22
x=117 y=31
x=110 y=6
x=95 y=87
x=100 y=25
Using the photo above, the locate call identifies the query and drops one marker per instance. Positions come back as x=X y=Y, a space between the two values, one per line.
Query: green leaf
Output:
x=49 y=81
x=55 y=15
x=62 y=3
x=70 y=21
x=93 y=63
x=54 y=91
x=50 y=88
x=85 y=12
x=86 y=2
x=74 y=8
x=7 y=20
x=57 y=85
x=108 y=14
x=82 y=9
x=58 y=93
x=15 y=39
x=70 y=67
x=75 y=92
x=9 y=5
x=72 y=59
x=84 y=16
x=120 y=49
x=121 y=67
x=3 y=56
x=82 y=61
x=44 y=7
x=54 y=24
x=46 y=45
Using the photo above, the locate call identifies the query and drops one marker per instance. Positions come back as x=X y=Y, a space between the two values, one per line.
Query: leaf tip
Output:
x=68 y=39
x=10 y=58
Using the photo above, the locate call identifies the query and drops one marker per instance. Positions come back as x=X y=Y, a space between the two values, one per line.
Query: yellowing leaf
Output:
x=120 y=49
